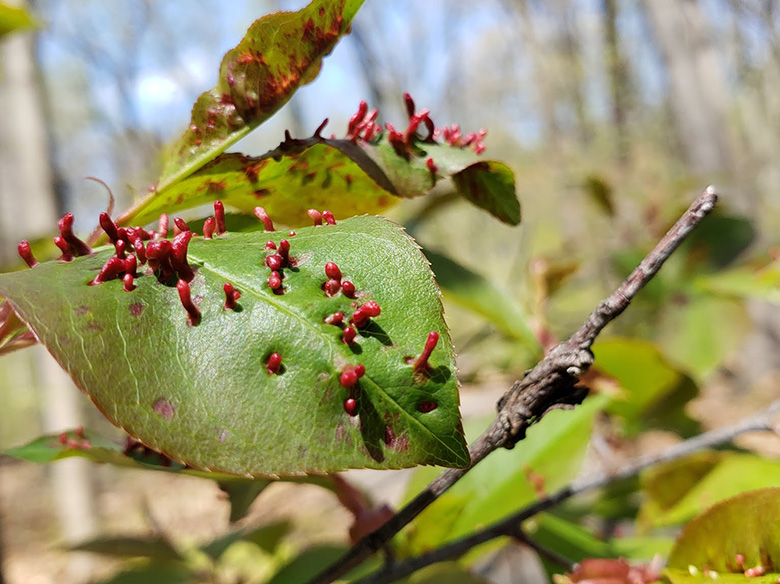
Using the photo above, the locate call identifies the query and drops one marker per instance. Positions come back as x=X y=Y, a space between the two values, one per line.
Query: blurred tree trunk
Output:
x=542 y=76
x=617 y=71
x=574 y=75
x=28 y=208
x=696 y=86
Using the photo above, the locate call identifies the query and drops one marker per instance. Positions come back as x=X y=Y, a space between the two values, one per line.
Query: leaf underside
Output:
x=202 y=395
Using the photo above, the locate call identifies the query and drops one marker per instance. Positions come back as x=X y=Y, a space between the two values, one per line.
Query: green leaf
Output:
x=241 y=495
x=490 y=186
x=266 y=537
x=154 y=573
x=201 y=394
x=744 y=283
x=478 y=294
x=507 y=480
x=653 y=392
x=679 y=490
x=698 y=335
x=152 y=547
x=345 y=177
x=279 y=53
x=746 y=525
x=449 y=572
x=718 y=241
x=13 y=18
x=312 y=561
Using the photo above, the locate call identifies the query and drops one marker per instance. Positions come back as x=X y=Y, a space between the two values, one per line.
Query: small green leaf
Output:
x=279 y=53
x=744 y=525
x=507 y=480
x=744 y=283
x=490 y=186
x=241 y=495
x=152 y=547
x=202 y=395
x=449 y=572
x=266 y=537
x=312 y=561
x=698 y=335
x=679 y=490
x=654 y=392
x=478 y=294
x=154 y=573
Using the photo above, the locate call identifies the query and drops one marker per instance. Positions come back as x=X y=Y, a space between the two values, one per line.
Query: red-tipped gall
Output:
x=64 y=247
x=231 y=296
x=348 y=335
x=327 y=216
x=263 y=216
x=421 y=364
x=350 y=406
x=26 y=253
x=186 y=299
x=128 y=279
x=219 y=216
x=77 y=246
x=162 y=226
x=332 y=271
x=180 y=225
x=208 y=228
x=275 y=281
x=350 y=376
x=274 y=363
x=274 y=262
x=315 y=215
x=364 y=313
x=348 y=289
x=109 y=227
x=270 y=245
x=336 y=319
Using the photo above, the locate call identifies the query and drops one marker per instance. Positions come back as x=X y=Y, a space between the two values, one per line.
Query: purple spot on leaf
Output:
x=165 y=408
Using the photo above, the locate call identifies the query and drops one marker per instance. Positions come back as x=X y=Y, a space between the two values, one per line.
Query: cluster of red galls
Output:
x=166 y=259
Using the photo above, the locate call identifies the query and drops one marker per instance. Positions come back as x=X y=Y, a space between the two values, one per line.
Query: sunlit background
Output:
x=612 y=113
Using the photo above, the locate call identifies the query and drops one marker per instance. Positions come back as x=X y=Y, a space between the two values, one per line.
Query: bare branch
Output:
x=762 y=421
x=549 y=385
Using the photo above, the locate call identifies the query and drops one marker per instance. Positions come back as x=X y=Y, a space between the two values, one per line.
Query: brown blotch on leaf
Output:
x=164 y=408
x=136 y=309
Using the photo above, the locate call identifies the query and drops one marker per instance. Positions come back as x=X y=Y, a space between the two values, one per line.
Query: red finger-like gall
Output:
x=208 y=228
x=327 y=216
x=315 y=215
x=219 y=216
x=26 y=253
x=263 y=216
x=64 y=247
x=348 y=289
x=77 y=246
x=186 y=299
x=421 y=364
